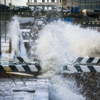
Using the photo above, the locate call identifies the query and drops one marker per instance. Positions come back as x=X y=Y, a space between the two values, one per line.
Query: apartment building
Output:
x=52 y=4
x=45 y=4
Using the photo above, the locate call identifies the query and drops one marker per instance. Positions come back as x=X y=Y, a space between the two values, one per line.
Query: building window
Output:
x=49 y=0
x=45 y=8
x=45 y=0
x=30 y=1
x=39 y=0
x=50 y=8
x=60 y=1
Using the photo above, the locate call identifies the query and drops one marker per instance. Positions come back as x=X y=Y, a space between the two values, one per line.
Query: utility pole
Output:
x=0 y=28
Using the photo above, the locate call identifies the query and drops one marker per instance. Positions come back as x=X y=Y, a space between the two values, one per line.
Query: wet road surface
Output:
x=32 y=91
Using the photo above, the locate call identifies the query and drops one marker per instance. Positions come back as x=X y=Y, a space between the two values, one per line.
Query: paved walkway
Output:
x=35 y=89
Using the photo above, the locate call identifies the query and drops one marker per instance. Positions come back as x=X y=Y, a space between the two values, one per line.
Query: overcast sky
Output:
x=16 y=2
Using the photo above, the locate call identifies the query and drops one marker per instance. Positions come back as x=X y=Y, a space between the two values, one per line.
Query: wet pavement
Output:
x=22 y=92
x=37 y=89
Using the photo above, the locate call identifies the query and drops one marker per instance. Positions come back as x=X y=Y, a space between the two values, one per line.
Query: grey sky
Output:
x=16 y=2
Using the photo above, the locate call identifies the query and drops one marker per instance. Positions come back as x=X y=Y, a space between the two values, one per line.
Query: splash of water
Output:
x=58 y=44
x=54 y=50
x=14 y=34
x=22 y=50
x=64 y=89
x=16 y=38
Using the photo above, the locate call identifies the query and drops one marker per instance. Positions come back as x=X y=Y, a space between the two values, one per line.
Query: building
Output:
x=90 y=5
x=45 y=4
x=52 y=4
x=70 y=3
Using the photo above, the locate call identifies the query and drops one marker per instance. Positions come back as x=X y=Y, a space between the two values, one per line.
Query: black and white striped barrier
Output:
x=26 y=67
x=82 y=68
x=86 y=67
x=28 y=34
x=82 y=64
x=79 y=60
x=88 y=60
x=23 y=60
